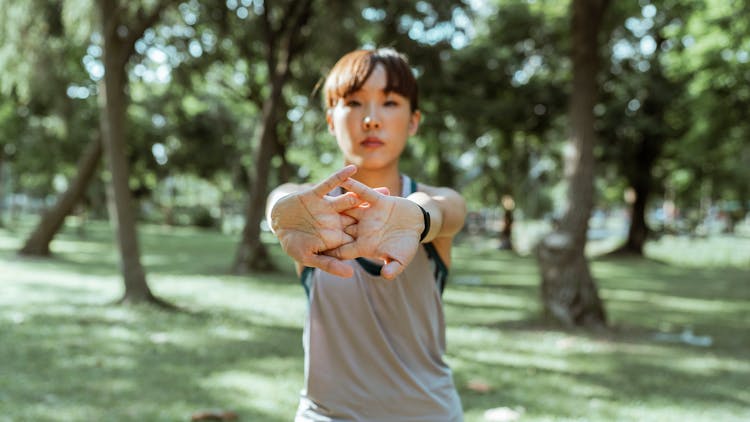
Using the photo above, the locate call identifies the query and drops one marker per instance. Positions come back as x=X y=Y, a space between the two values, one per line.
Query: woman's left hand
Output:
x=387 y=228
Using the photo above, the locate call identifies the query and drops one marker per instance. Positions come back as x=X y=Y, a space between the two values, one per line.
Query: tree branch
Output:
x=144 y=21
x=302 y=19
x=109 y=19
x=270 y=34
x=292 y=43
x=287 y=16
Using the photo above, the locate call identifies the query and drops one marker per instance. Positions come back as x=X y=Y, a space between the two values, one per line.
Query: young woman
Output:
x=372 y=248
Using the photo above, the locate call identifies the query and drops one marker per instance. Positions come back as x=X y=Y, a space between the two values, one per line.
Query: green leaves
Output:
x=493 y=79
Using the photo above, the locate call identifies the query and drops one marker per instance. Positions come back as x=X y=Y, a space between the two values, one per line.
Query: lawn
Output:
x=676 y=350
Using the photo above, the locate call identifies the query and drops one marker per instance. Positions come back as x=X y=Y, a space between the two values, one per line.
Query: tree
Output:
x=709 y=167
x=38 y=242
x=643 y=107
x=119 y=36
x=282 y=43
x=569 y=293
x=506 y=114
x=44 y=81
x=10 y=124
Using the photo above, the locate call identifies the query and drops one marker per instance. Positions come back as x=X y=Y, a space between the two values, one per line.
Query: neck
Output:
x=389 y=178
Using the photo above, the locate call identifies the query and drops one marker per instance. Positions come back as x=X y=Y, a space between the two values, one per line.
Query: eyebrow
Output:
x=384 y=91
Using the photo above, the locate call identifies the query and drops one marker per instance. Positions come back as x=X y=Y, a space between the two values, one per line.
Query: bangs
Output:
x=352 y=71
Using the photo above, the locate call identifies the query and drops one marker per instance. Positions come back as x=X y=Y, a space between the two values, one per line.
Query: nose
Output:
x=370 y=123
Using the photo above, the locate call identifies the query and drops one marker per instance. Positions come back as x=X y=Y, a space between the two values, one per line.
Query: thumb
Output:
x=391 y=270
x=344 y=252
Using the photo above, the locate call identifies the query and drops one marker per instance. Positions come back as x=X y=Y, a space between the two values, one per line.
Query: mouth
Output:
x=372 y=142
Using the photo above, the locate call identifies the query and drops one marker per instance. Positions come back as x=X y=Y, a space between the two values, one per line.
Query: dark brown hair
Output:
x=351 y=72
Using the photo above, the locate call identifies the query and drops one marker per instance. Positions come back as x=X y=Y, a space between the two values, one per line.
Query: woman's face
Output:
x=372 y=126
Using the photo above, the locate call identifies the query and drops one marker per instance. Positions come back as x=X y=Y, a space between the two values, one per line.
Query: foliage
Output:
x=49 y=98
x=644 y=101
x=494 y=79
x=510 y=115
x=715 y=156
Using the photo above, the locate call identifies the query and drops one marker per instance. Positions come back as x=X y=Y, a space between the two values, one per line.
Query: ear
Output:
x=329 y=120
x=414 y=120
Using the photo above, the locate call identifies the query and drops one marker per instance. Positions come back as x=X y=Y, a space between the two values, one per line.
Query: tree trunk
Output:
x=286 y=169
x=569 y=293
x=506 y=234
x=641 y=181
x=251 y=252
x=743 y=195
x=120 y=202
x=638 y=231
x=649 y=149
x=446 y=173
x=38 y=243
x=282 y=45
x=506 y=152
x=2 y=191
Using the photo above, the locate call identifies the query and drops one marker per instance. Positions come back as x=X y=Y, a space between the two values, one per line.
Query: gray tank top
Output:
x=374 y=348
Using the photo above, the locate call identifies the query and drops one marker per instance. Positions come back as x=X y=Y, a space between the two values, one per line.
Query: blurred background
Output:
x=138 y=142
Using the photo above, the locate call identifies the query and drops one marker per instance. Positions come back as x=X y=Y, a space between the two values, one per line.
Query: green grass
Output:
x=66 y=353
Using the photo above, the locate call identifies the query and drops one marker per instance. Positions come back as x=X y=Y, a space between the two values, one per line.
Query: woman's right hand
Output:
x=310 y=222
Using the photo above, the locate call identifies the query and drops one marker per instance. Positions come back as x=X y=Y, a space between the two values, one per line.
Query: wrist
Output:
x=429 y=208
x=426 y=224
x=277 y=213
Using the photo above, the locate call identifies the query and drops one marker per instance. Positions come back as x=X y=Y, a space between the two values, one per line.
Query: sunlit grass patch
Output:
x=714 y=251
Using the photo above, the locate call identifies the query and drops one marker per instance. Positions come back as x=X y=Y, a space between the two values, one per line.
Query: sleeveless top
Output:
x=374 y=347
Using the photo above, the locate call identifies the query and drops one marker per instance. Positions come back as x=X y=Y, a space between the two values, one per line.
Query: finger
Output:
x=391 y=270
x=355 y=213
x=331 y=265
x=352 y=230
x=367 y=194
x=329 y=239
x=347 y=220
x=334 y=180
x=347 y=251
x=343 y=240
x=344 y=202
x=383 y=190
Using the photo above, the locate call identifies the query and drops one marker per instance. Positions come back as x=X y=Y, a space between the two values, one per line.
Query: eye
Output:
x=390 y=103
x=353 y=103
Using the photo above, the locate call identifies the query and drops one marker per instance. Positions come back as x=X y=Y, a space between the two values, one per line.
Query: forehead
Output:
x=376 y=83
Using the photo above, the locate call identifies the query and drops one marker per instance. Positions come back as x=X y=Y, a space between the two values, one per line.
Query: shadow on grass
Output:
x=675 y=296
x=642 y=298
x=95 y=362
x=165 y=251
x=621 y=379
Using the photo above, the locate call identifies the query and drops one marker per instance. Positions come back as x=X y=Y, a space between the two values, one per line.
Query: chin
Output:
x=371 y=161
x=374 y=165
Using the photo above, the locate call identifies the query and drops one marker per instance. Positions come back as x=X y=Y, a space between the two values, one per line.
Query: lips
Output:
x=372 y=142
